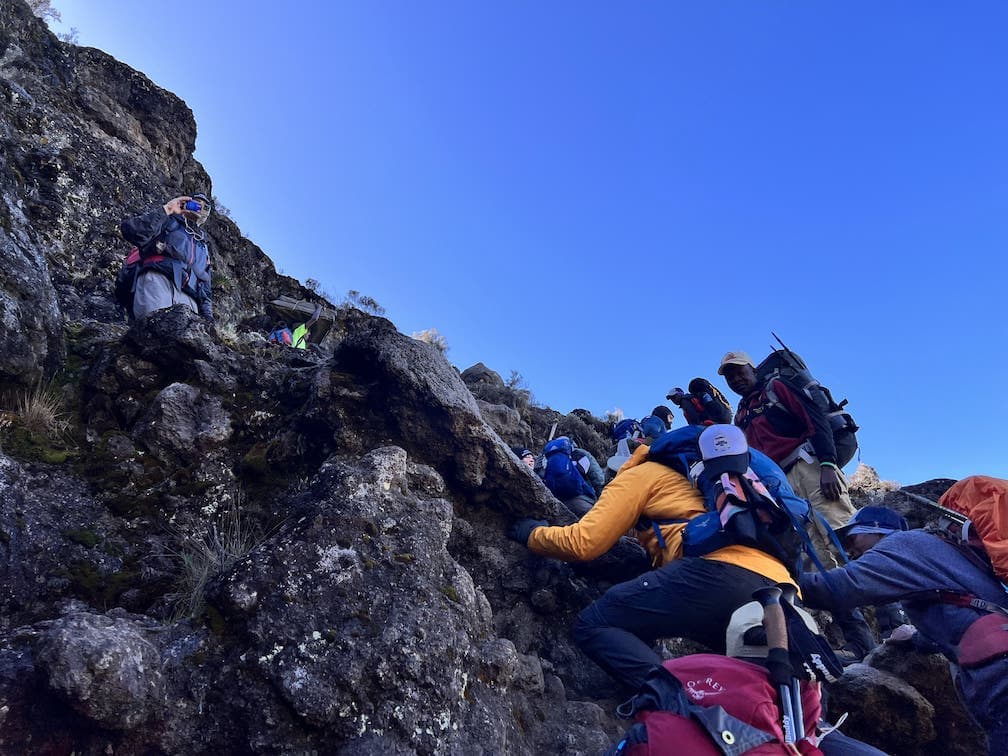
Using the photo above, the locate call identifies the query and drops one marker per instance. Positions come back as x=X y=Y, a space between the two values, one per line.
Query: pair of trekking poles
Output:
x=778 y=660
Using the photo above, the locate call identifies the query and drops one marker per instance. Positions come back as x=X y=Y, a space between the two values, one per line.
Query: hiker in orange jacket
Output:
x=691 y=597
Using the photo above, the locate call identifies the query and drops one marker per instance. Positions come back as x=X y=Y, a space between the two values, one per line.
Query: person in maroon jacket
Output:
x=797 y=436
x=794 y=434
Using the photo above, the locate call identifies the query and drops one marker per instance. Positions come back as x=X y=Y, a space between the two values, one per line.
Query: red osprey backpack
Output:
x=711 y=705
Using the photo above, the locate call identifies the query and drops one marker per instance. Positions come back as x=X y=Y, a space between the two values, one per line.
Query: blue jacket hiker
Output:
x=174 y=258
x=912 y=566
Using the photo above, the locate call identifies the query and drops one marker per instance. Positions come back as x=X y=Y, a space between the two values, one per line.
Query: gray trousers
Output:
x=155 y=292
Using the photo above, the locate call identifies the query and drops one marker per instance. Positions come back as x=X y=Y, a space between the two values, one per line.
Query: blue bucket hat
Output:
x=880 y=520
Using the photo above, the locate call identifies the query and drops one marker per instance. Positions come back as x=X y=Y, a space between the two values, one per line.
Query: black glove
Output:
x=520 y=530
x=779 y=664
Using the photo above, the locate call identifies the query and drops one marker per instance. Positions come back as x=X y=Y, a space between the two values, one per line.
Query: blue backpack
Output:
x=759 y=510
x=628 y=428
x=562 y=475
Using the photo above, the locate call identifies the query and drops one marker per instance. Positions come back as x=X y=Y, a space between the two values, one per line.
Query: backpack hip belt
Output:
x=804 y=452
x=986 y=638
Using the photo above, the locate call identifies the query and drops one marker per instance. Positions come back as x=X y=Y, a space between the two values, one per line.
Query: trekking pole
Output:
x=789 y=592
x=552 y=432
x=957 y=516
x=778 y=661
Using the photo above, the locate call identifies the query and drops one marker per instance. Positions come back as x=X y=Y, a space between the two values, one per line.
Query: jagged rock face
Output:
x=86 y=141
x=366 y=627
x=507 y=423
x=386 y=610
x=246 y=548
x=510 y=412
x=56 y=541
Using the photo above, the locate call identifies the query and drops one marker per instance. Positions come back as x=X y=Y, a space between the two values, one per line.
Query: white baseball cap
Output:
x=724 y=449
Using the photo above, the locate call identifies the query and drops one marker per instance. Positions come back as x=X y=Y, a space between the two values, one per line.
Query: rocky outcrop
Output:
x=888 y=713
x=237 y=547
x=86 y=141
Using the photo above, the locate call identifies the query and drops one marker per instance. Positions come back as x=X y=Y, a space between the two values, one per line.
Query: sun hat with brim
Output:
x=739 y=642
x=873 y=520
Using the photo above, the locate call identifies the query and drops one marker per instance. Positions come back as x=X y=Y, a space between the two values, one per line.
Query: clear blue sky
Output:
x=608 y=197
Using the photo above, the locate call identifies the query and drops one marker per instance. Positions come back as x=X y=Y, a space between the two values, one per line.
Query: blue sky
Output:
x=607 y=198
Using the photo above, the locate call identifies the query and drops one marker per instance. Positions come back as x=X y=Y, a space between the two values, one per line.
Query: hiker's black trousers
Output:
x=689 y=598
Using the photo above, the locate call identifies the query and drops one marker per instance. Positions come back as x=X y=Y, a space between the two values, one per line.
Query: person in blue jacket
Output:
x=944 y=591
x=174 y=257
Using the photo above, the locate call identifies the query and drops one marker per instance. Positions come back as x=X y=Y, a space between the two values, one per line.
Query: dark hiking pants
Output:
x=689 y=598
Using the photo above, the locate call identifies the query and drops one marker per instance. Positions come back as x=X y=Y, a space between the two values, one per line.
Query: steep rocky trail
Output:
x=238 y=548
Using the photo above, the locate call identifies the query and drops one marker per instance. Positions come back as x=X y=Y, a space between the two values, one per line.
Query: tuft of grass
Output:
x=433 y=337
x=228 y=333
x=40 y=411
x=212 y=553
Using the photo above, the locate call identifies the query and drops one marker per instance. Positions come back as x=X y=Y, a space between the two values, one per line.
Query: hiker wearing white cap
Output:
x=780 y=424
x=682 y=596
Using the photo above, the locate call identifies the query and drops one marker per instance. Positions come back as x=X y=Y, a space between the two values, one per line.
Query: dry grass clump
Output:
x=40 y=411
x=433 y=337
x=214 y=552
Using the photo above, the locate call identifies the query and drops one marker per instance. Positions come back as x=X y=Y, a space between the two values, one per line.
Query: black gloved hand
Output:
x=520 y=530
x=779 y=664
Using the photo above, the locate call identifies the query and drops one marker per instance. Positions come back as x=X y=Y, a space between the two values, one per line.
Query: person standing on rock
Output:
x=950 y=594
x=682 y=597
x=174 y=257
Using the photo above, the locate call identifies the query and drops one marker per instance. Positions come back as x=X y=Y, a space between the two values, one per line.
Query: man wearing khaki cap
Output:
x=795 y=434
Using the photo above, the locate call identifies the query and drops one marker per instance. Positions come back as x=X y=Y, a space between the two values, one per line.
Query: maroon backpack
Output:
x=710 y=705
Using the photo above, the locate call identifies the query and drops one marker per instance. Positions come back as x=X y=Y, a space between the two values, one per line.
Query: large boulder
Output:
x=369 y=631
x=104 y=667
x=956 y=734
x=416 y=399
x=885 y=711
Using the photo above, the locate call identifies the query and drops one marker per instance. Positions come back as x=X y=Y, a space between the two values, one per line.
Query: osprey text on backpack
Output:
x=711 y=705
